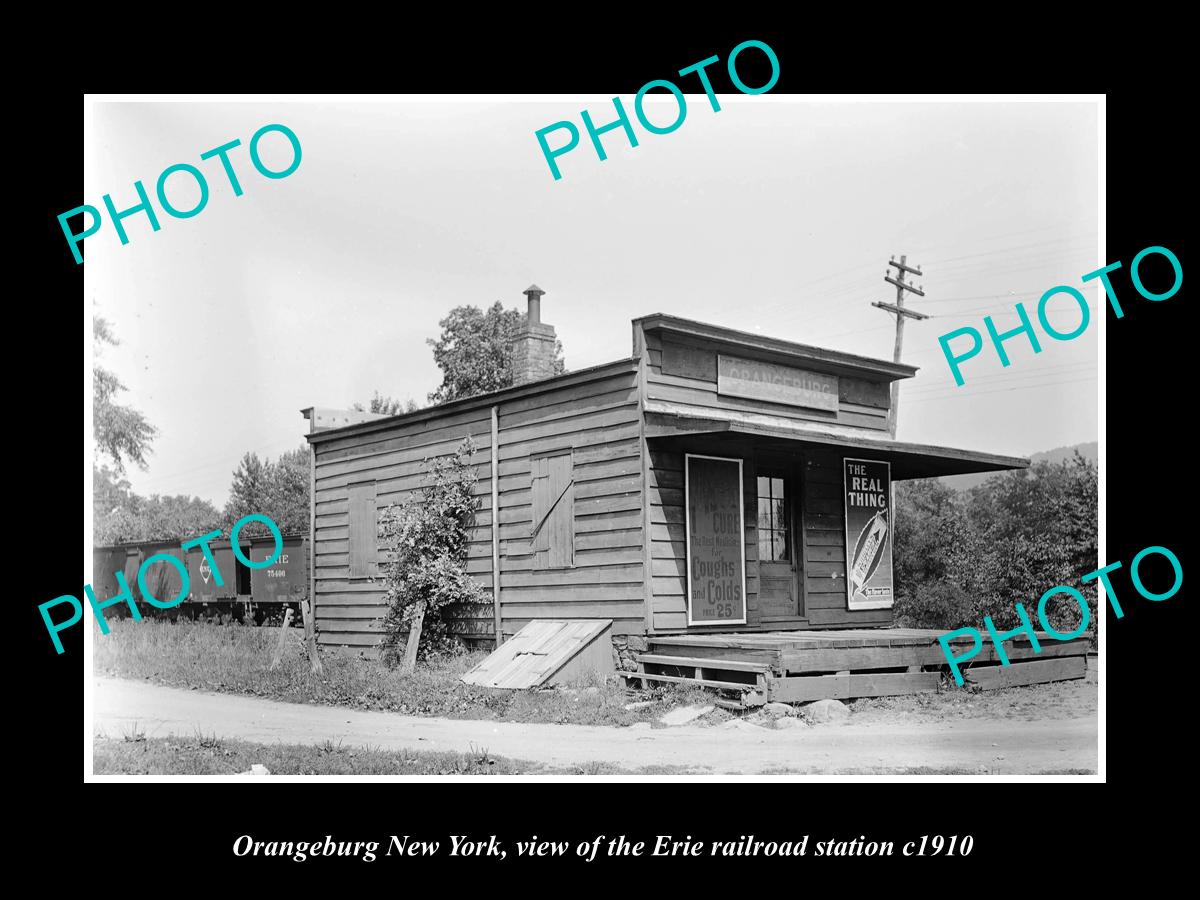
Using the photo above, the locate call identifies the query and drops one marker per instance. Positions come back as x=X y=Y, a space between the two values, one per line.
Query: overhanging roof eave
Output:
x=912 y=460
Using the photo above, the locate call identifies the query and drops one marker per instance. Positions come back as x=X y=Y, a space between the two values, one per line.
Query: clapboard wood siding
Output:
x=590 y=432
x=348 y=606
x=684 y=370
x=591 y=422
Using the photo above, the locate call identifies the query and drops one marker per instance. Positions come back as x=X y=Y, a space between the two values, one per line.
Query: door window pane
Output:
x=779 y=545
x=764 y=514
x=772 y=519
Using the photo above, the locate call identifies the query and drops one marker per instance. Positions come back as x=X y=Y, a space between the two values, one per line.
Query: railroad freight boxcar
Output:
x=224 y=589
x=286 y=579
x=107 y=561
x=282 y=584
x=230 y=581
x=161 y=579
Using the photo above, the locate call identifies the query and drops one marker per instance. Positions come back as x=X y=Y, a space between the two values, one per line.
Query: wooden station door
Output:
x=779 y=563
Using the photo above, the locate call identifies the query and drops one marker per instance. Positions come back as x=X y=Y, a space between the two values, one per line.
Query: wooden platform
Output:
x=799 y=666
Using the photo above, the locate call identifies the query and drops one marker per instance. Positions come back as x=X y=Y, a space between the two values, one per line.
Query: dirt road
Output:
x=984 y=745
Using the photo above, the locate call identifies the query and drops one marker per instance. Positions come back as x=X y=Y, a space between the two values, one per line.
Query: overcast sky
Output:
x=774 y=215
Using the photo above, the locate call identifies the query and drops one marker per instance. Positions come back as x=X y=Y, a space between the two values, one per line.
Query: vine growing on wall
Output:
x=425 y=538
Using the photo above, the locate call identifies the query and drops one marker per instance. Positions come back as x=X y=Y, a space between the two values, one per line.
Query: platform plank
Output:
x=806 y=688
x=833 y=660
x=752 y=694
x=1031 y=672
x=732 y=665
x=743 y=654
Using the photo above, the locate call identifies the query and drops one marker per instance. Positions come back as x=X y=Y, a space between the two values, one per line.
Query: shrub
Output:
x=425 y=539
x=937 y=604
x=962 y=556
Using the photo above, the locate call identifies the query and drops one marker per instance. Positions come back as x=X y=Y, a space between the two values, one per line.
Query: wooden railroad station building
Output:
x=711 y=483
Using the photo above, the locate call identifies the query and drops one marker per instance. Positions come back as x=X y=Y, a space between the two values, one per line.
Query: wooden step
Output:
x=699 y=682
x=749 y=694
x=695 y=662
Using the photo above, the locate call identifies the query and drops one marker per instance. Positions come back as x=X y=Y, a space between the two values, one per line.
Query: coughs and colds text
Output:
x=664 y=845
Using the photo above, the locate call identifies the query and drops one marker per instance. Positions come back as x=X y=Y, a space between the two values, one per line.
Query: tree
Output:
x=278 y=490
x=387 y=406
x=474 y=351
x=925 y=565
x=251 y=489
x=960 y=557
x=1034 y=529
x=121 y=432
x=426 y=540
x=177 y=517
x=288 y=491
x=121 y=516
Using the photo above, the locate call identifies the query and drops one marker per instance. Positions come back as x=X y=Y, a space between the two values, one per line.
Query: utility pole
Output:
x=901 y=313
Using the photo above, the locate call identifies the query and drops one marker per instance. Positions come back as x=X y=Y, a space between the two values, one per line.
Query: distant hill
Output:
x=1089 y=450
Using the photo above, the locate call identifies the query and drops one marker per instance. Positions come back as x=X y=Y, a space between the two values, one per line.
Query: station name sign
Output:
x=757 y=380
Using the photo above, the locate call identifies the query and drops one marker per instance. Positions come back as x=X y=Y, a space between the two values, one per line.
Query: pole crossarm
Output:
x=892 y=307
x=904 y=268
x=904 y=285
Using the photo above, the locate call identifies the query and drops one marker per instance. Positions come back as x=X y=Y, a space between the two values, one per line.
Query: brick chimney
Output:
x=533 y=348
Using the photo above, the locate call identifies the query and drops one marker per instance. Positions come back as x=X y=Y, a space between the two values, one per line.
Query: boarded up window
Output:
x=364 y=530
x=553 y=511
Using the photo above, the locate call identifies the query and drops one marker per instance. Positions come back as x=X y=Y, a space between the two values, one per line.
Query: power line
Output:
x=1021 y=233
x=1010 y=249
x=1028 y=387
x=1006 y=378
x=1018 y=264
x=850 y=288
x=160 y=478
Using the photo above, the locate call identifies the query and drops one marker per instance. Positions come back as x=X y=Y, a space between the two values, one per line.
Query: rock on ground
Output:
x=640 y=704
x=741 y=725
x=777 y=710
x=790 y=722
x=827 y=711
x=684 y=714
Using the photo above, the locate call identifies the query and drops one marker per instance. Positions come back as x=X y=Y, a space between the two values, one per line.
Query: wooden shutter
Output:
x=553 y=511
x=562 y=517
x=364 y=530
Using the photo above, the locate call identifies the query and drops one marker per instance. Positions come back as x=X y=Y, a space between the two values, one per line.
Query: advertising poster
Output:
x=868 y=492
x=715 y=544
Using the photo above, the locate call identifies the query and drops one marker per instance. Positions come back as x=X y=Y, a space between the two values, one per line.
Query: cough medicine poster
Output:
x=715 y=542
x=868 y=492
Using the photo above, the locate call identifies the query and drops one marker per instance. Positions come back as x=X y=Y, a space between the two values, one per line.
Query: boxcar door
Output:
x=778 y=567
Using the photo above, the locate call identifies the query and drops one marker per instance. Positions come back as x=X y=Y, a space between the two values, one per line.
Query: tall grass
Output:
x=217 y=756
x=236 y=659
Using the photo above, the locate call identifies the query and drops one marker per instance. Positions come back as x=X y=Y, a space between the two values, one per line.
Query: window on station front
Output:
x=772 y=520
